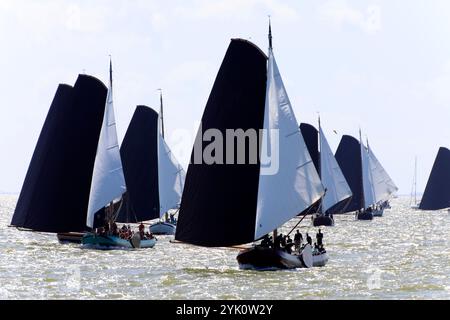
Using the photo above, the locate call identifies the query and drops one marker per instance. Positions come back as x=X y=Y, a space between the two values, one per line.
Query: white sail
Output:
x=332 y=177
x=296 y=185
x=108 y=182
x=171 y=178
x=368 y=187
x=384 y=187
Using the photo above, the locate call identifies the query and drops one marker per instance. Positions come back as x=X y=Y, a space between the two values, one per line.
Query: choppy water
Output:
x=404 y=255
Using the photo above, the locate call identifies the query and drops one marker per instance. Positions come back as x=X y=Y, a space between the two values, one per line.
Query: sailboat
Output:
x=171 y=178
x=55 y=193
x=383 y=186
x=414 y=204
x=437 y=195
x=154 y=178
x=353 y=159
x=108 y=186
x=225 y=204
x=333 y=180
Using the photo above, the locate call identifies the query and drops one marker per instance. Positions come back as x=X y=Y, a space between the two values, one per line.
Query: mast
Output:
x=161 y=111
x=110 y=74
x=161 y=114
x=319 y=171
x=363 y=201
x=275 y=231
x=270 y=35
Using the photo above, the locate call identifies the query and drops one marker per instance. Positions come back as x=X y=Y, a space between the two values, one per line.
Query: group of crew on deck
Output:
x=286 y=243
x=125 y=232
x=369 y=210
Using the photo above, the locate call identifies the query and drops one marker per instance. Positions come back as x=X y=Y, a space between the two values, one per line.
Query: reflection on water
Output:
x=405 y=255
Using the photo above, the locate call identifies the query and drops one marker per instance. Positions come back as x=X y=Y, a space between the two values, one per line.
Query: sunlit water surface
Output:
x=404 y=255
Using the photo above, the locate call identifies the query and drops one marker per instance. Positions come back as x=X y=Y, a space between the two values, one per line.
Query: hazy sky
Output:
x=380 y=65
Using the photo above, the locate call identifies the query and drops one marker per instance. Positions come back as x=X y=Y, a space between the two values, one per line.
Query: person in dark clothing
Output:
x=288 y=240
x=265 y=241
x=289 y=244
x=277 y=242
x=283 y=240
x=308 y=239
x=298 y=239
x=319 y=237
x=115 y=230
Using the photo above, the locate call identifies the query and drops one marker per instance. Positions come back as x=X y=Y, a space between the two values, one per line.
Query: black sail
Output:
x=437 y=192
x=311 y=137
x=348 y=156
x=139 y=153
x=218 y=207
x=55 y=193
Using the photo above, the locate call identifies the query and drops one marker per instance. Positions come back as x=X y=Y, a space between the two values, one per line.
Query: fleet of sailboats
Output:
x=333 y=180
x=80 y=179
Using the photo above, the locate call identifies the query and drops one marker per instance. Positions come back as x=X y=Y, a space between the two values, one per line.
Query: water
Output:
x=404 y=255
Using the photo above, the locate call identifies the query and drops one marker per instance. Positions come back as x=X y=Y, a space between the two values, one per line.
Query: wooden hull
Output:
x=365 y=216
x=378 y=213
x=320 y=260
x=112 y=242
x=70 y=237
x=163 y=228
x=322 y=220
x=266 y=259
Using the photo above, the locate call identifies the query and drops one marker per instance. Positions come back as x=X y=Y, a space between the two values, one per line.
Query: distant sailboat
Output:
x=171 y=177
x=384 y=187
x=437 y=191
x=228 y=205
x=55 y=194
x=414 y=204
x=333 y=180
x=369 y=198
x=154 y=178
x=353 y=159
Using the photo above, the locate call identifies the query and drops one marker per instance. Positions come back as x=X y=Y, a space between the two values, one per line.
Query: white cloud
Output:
x=340 y=13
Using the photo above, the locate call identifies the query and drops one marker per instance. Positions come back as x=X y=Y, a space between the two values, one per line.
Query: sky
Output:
x=380 y=65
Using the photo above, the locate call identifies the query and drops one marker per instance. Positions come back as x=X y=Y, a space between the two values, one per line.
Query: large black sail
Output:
x=55 y=193
x=139 y=153
x=311 y=137
x=348 y=156
x=218 y=206
x=437 y=192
